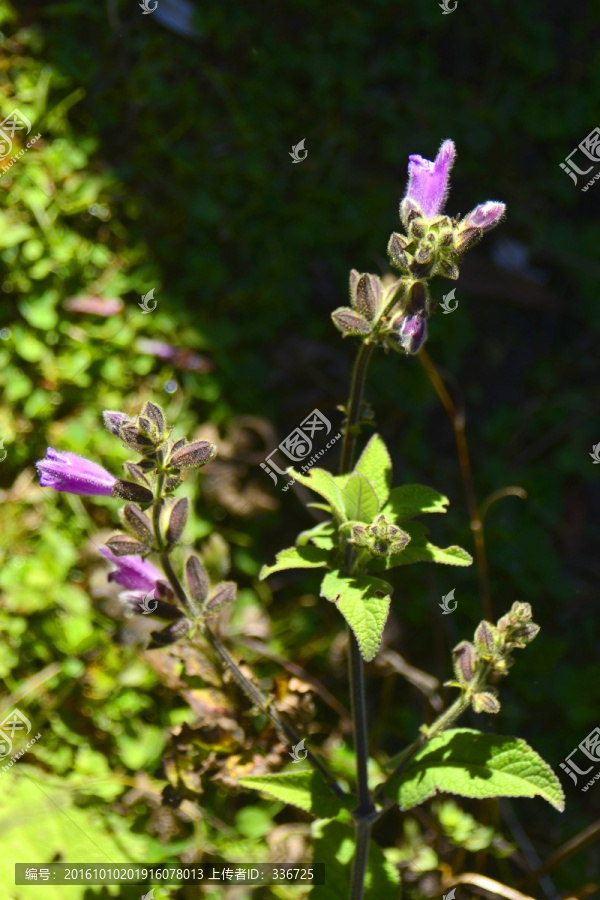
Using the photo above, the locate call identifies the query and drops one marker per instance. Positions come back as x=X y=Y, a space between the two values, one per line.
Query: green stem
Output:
x=351 y=426
x=365 y=812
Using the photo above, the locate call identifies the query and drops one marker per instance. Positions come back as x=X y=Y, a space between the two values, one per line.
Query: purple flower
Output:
x=132 y=572
x=74 y=474
x=428 y=181
x=485 y=216
x=113 y=420
x=413 y=333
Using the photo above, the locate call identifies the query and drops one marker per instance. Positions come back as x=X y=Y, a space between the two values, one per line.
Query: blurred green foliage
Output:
x=164 y=164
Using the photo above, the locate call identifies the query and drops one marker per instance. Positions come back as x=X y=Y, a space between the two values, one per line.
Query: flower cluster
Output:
x=433 y=244
x=150 y=479
x=489 y=656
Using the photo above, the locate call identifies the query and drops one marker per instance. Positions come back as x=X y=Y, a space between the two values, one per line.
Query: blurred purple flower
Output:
x=485 y=216
x=180 y=357
x=428 y=181
x=94 y=305
x=132 y=572
x=74 y=474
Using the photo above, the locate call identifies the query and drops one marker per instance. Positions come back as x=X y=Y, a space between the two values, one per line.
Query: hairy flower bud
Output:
x=197 y=579
x=367 y=300
x=129 y=490
x=399 y=258
x=485 y=702
x=137 y=522
x=485 y=640
x=154 y=412
x=177 y=521
x=136 y=473
x=465 y=662
x=113 y=420
x=125 y=545
x=171 y=633
x=349 y=322
x=196 y=454
x=220 y=597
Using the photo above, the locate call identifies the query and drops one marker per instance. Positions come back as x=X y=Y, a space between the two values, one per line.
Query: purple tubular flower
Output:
x=485 y=216
x=132 y=572
x=74 y=474
x=428 y=181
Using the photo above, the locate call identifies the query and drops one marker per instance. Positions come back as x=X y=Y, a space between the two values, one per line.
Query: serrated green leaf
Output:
x=321 y=535
x=360 y=500
x=411 y=500
x=376 y=465
x=364 y=602
x=295 y=558
x=306 y=789
x=323 y=483
x=466 y=762
x=420 y=550
x=334 y=845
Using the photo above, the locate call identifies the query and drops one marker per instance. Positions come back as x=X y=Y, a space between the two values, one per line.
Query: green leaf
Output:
x=376 y=465
x=306 y=789
x=360 y=500
x=466 y=762
x=321 y=535
x=334 y=845
x=411 y=500
x=364 y=602
x=420 y=550
x=323 y=483
x=295 y=558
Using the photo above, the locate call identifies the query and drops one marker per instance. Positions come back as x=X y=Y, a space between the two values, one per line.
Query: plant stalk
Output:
x=365 y=811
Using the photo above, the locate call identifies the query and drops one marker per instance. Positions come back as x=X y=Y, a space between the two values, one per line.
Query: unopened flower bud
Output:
x=155 y=413
x=397 y=253
x=465 y=662
x=129 y=490
x=125 y=545
x=367 y=300
x=177 y=521
x=485 y=702
x=196 y=454
x=171 y=633
x=197 y=579
x=349 y=322
x=221 y=596
x=485 y=640
x=113 y=420
x=137 y=522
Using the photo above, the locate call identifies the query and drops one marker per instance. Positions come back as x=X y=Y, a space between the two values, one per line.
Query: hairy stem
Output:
x=365 y=811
